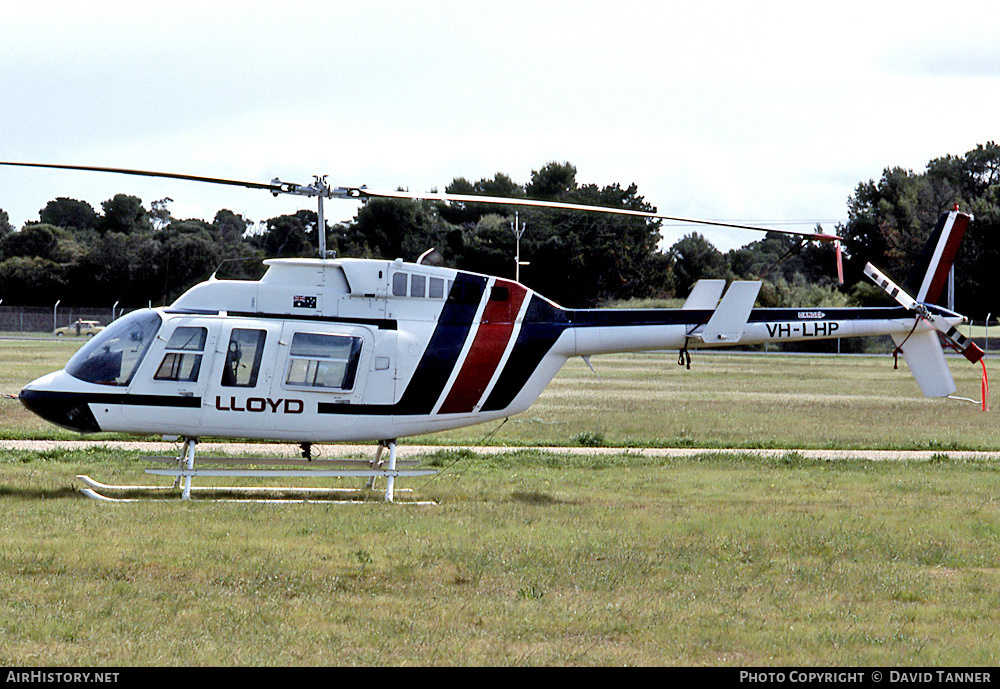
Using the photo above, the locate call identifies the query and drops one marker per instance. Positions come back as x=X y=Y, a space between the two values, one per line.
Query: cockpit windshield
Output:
x=114 y=354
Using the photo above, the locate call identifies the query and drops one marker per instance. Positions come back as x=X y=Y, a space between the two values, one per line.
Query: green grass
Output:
x=21 y=361
x=529 y=559
x=980 y=330
x=748 y=401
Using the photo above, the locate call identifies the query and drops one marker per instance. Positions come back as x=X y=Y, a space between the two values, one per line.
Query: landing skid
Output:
x=186 y=471
x=99 y=491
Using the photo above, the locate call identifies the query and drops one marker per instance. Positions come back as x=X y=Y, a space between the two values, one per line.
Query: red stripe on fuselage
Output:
x=492 y=337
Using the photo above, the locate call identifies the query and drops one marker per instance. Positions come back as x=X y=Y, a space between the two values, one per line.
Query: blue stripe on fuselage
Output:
x=542 y=325
x=445 y=346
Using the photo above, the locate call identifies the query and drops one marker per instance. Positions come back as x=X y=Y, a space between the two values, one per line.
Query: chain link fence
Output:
x=45 y=319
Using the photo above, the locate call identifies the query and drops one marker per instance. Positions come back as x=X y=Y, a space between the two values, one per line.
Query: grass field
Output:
x=533 y=558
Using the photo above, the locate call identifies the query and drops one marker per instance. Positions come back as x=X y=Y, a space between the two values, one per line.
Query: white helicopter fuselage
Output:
x=361 y=349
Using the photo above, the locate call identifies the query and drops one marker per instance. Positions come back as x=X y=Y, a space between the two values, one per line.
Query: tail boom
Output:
x=610 y=331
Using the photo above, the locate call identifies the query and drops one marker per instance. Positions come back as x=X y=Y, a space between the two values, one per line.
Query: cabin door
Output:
x=176 y=375
x=240 y=379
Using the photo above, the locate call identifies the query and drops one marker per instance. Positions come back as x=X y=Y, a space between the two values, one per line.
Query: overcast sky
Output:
x=744 y=111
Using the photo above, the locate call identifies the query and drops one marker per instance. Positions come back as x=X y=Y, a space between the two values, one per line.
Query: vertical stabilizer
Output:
x=730 y=318
x=930 y=274
x=705 y=294
x=925 y=359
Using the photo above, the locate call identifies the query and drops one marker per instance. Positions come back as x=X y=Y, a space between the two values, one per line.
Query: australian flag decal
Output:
x=304 y=302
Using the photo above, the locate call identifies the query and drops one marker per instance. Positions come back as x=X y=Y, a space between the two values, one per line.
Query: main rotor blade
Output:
x=147 y=173
x=320 y=189
x=466 y=198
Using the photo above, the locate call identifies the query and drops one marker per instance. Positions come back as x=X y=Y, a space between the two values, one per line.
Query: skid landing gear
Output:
x=307 y=467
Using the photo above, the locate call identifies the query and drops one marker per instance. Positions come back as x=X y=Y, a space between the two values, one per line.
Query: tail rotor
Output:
x=945 y=326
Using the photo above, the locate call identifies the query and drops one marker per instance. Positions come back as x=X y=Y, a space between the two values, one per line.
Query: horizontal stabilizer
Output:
x=705 y=295
x=730 y=319
x=925 y=358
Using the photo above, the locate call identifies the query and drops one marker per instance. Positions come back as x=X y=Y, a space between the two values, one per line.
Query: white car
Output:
x=79 y=328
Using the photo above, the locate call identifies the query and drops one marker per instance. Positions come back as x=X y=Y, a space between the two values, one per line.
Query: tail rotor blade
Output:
x=840 y=262
x=891 y=288
x=969 y=349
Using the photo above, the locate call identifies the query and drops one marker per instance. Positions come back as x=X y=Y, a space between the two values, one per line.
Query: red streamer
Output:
x=986 y=386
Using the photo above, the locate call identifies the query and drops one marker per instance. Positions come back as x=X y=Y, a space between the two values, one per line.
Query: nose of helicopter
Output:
x=46 y=398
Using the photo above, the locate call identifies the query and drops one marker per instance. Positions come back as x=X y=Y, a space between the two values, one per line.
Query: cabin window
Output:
x=399 y=284
x=417 y=283
x=113 y=355
x=246 y=347
x=323 y=361
x=436 y=288
x=419 y=286
x=182 y=361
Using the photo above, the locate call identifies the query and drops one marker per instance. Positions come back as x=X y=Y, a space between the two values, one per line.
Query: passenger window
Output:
x=182 y=362
x=399 y=284
x=417 y=285
x=192 y=339
x=323 y=361
x=436 y=289
x=246 y=347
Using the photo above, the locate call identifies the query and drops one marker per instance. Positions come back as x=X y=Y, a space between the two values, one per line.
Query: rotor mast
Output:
x=321 y=190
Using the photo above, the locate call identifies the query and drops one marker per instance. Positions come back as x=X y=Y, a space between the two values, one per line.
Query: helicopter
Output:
x=332 y=349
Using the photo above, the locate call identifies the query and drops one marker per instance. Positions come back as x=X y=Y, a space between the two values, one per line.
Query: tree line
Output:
x=135 y=255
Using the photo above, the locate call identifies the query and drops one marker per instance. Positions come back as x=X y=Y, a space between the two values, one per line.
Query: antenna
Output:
x=518 y=231
x=321 y=221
